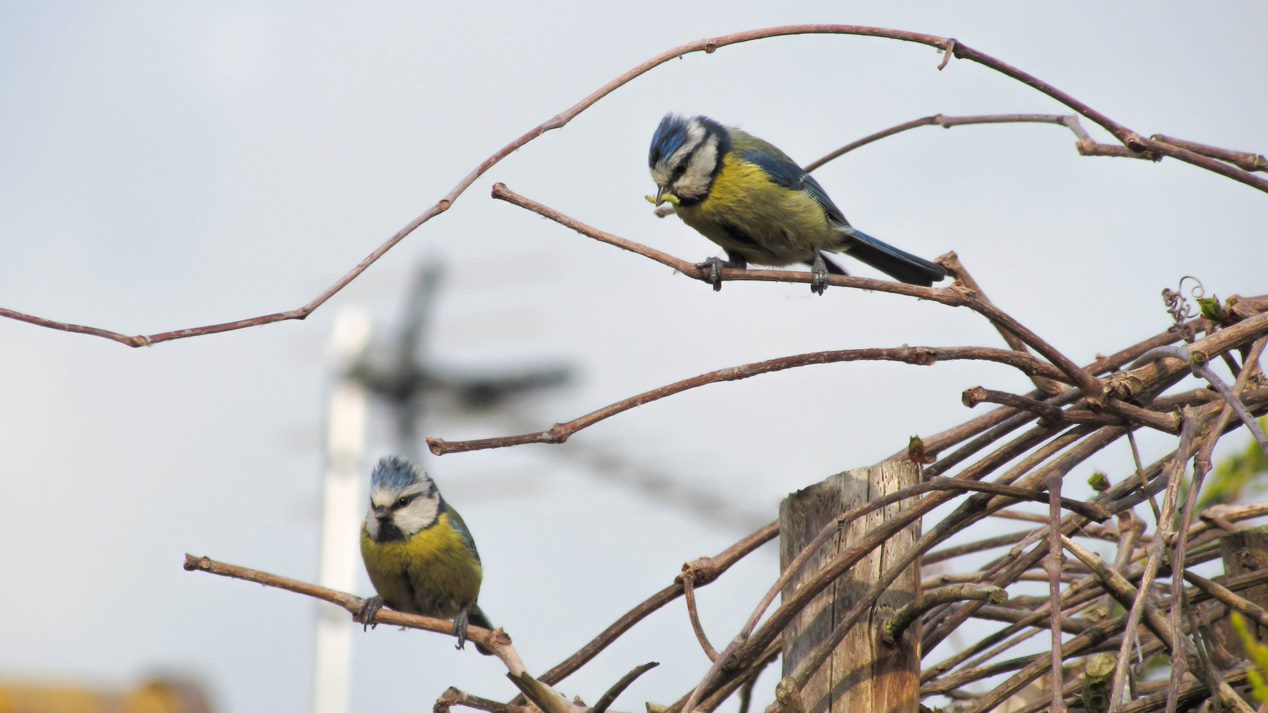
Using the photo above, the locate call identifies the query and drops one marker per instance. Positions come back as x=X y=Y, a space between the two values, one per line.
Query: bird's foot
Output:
x=460 y=629
x=714 y=265
x=819 y=275
x=369 y=612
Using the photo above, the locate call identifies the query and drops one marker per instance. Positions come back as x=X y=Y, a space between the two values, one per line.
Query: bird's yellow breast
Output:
x=779 y=225
x=433 y=573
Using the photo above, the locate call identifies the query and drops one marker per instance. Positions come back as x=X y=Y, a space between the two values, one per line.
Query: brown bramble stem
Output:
x=828 y=531
x=903 y=618
x=991 y=426
x=1229 y=598
x=689 y=593
x=1058 y=455
x=745 y=652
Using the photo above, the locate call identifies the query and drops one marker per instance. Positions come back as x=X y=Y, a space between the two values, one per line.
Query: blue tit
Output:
x=748 y=197
x=418 y=552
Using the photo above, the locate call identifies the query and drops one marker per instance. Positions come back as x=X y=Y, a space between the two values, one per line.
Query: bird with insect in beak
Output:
x=418 y=552
x=754 y=201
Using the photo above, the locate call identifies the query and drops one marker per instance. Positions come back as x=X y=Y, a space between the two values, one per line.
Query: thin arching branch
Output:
x=923 y=356
x=1085 y=142
x=1195 y=154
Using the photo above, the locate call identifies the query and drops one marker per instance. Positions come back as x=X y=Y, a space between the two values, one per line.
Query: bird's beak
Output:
x=664 y=196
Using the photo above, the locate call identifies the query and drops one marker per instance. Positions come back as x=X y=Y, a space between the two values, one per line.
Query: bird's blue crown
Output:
x=396 y=473
x=668 y=138
x=674 y=130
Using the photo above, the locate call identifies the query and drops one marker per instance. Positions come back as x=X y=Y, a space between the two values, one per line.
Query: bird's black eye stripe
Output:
x=402 y=501
x=683 y=163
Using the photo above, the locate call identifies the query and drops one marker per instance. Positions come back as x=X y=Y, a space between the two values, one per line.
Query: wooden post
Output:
x=863 y=675
x=1243 y=552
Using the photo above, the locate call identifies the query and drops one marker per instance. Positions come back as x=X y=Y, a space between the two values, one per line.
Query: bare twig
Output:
x=1198 y=363
x=921 y=356
x=1140 y=474
x=1048 y=414
x=545 y=698
x=1052 y=564
x=1067 y=120
x=894 y=627
x=1202 y=462
x=496 y=640
x=689 y=593
x=454 y=697
x=1078 y=445
x=1242 y=159
x=1130 y=139
x=954 y=296
x=708 y=569
x=1229 y=598
x=609 y=696
x=933 y=484
x=1164 y=528
x=989 y=427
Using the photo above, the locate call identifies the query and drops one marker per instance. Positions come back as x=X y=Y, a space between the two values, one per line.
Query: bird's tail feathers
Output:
x=898 y=264
x=477 y=617
x=833 y=267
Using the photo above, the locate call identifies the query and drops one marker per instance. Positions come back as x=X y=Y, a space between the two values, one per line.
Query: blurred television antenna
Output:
x=402 y=377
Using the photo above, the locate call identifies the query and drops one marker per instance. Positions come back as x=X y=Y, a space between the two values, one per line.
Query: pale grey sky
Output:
x=171 y=164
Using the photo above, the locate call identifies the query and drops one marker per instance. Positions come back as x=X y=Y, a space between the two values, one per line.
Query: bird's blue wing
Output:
x=461 y=528
x=789 y=175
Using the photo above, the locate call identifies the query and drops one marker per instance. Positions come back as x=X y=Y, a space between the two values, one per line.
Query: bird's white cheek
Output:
x=695 y=180
x=372 y=525
x=418 y=516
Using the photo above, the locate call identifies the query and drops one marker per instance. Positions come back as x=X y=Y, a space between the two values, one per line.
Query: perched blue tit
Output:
x=418 y=552
x=748 y=197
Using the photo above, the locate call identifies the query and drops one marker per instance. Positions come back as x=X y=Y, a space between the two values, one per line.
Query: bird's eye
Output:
x=403 y=501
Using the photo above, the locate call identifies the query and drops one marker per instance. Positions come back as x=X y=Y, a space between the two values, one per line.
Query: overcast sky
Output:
x=172 y=164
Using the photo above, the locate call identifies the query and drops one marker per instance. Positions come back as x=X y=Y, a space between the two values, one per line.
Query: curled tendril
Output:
x=1179 y=307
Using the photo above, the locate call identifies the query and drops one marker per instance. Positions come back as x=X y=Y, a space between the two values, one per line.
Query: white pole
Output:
x=341 y=513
